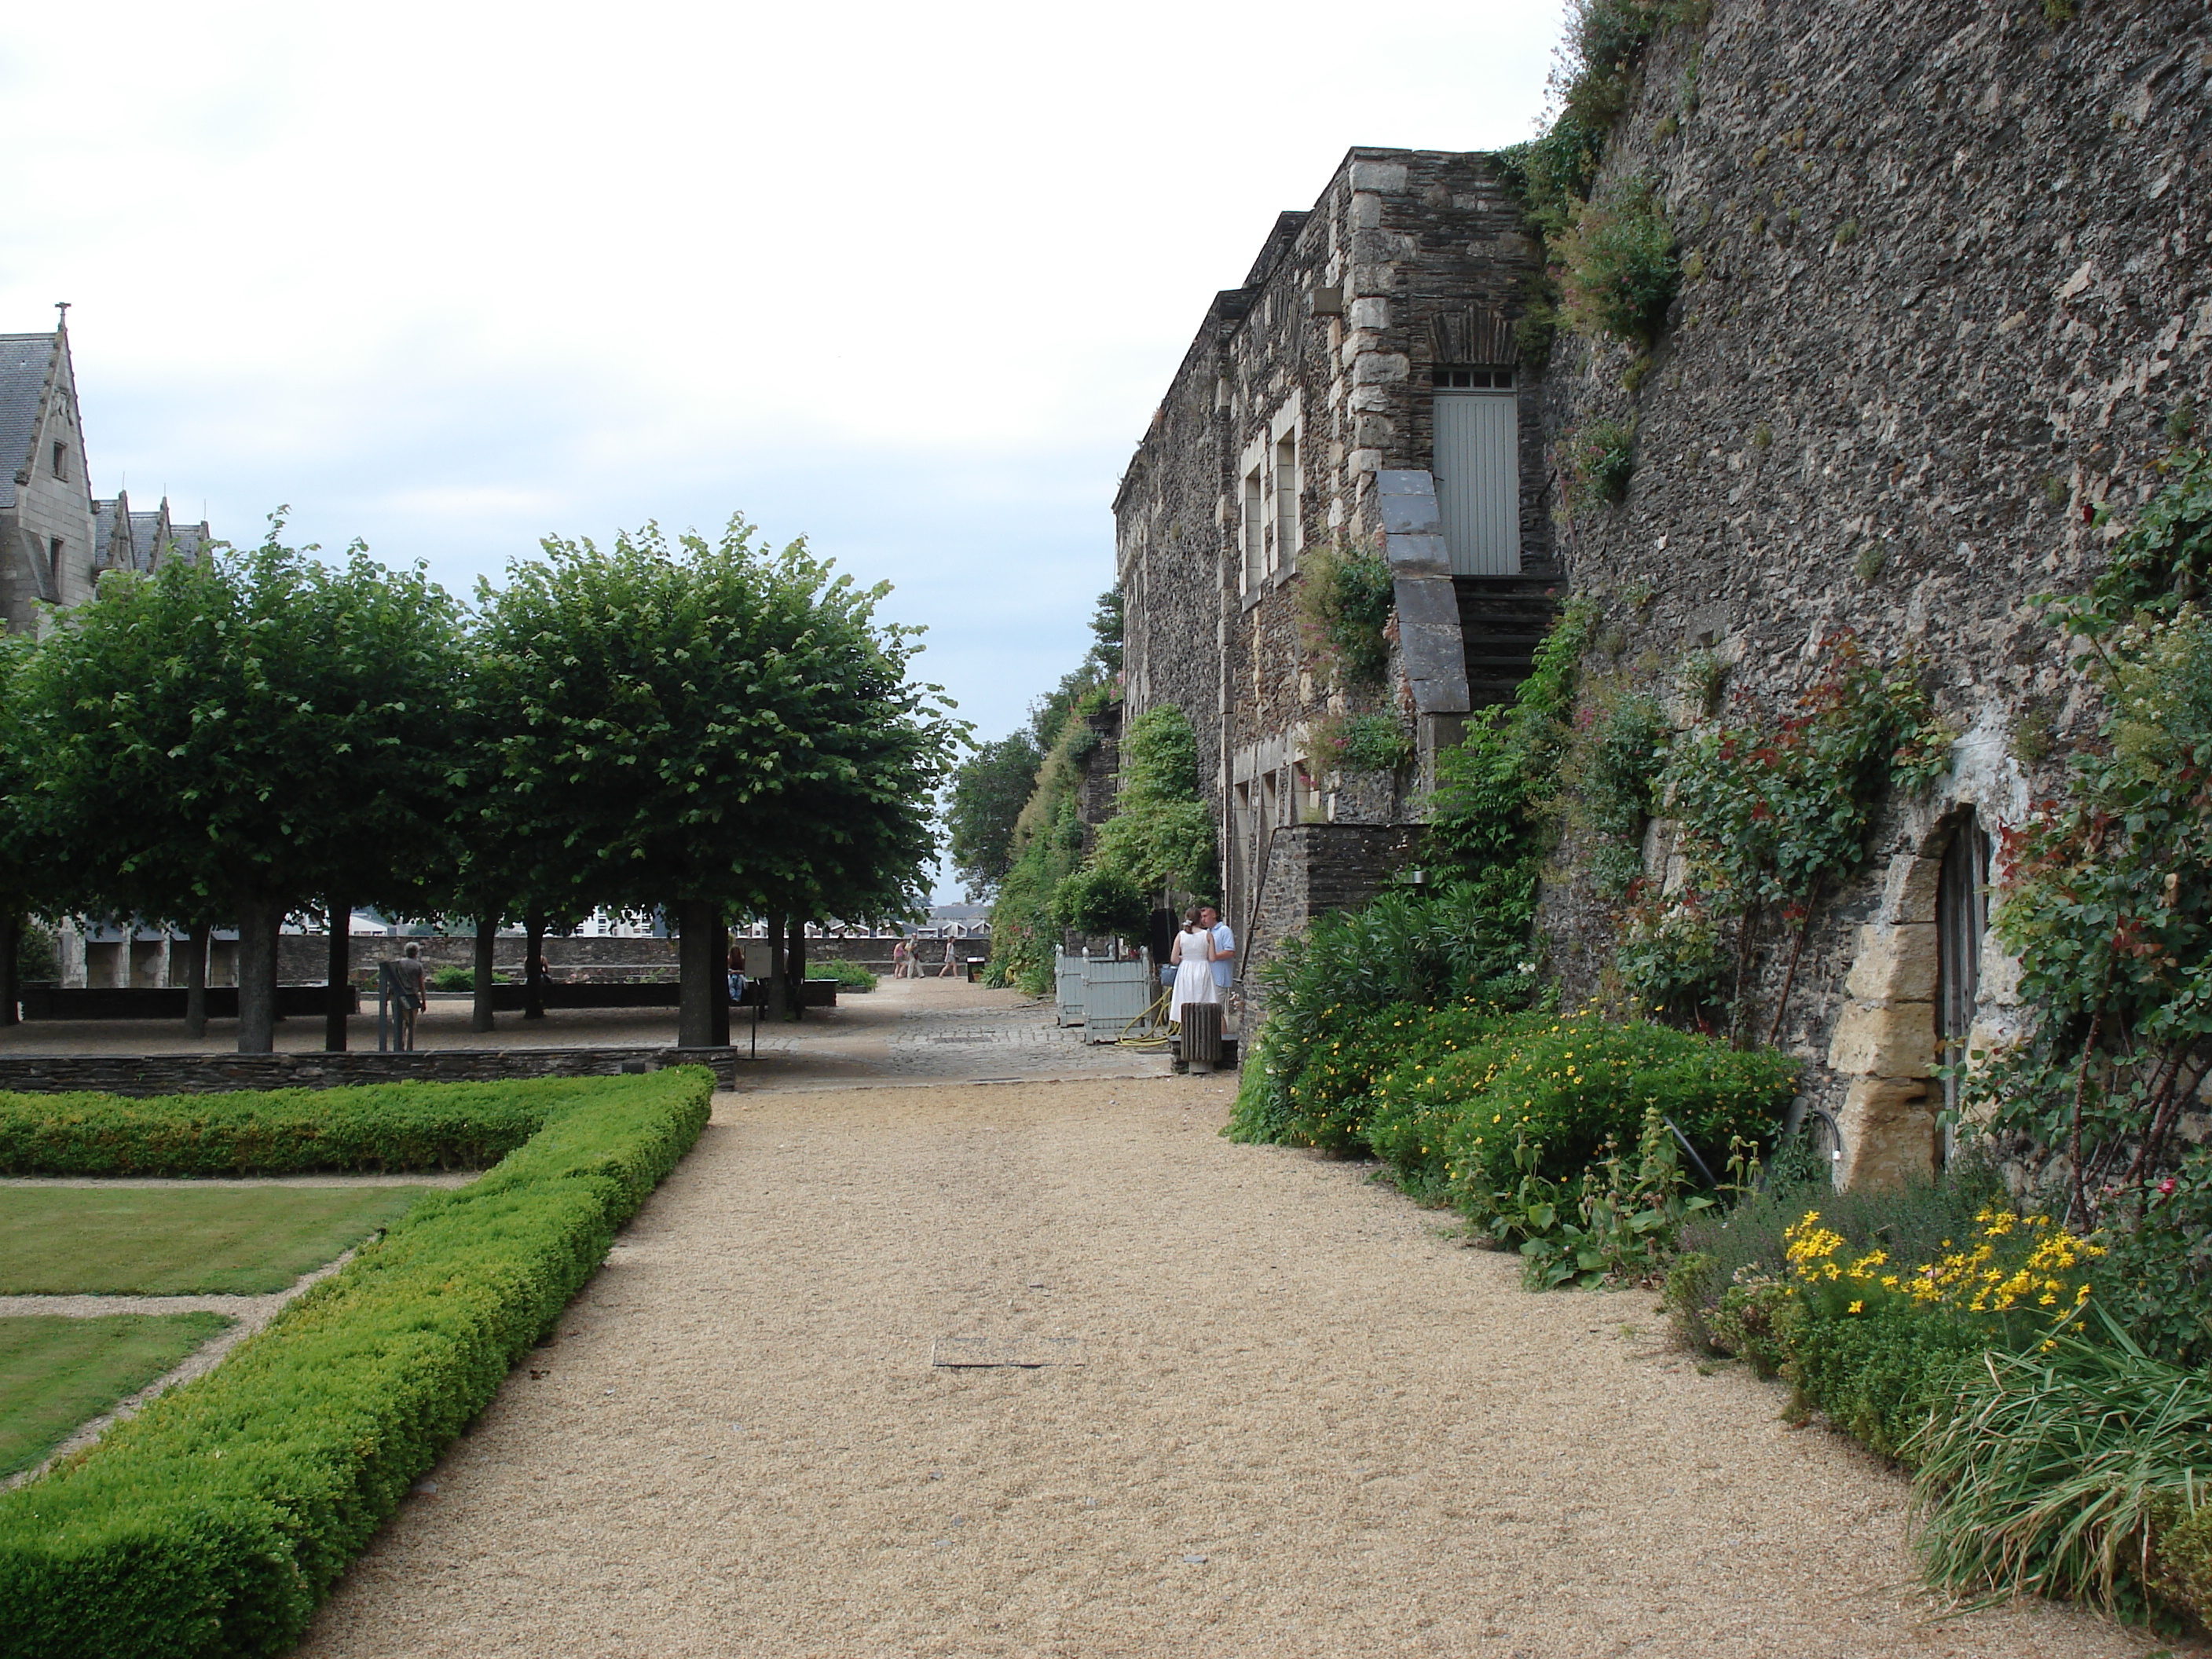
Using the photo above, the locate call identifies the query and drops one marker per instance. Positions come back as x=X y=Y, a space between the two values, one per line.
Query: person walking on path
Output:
x=901 y=960
x=951 y=960
x=1192 y=956
x=737 y=974
x=410 y=988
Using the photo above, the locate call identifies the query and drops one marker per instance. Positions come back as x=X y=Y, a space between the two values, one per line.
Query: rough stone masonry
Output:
x=1945 y=298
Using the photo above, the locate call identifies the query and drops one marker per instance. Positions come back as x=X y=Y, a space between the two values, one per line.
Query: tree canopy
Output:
x=989 y=790
x=241 y=735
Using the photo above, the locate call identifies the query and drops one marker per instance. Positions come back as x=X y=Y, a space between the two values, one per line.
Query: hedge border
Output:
x=215 y=1522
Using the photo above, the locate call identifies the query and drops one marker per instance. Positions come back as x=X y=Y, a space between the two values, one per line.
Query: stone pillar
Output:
x=1884 y=1040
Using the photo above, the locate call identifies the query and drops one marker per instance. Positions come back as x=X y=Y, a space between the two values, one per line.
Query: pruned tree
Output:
x=244 y=735
x=714 y=727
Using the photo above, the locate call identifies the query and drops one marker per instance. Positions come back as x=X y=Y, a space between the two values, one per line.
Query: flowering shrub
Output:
x=2026 y=1265
x=1566 y=1086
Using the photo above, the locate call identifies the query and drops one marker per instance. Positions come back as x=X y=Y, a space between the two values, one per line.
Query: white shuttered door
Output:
x=1478 y=472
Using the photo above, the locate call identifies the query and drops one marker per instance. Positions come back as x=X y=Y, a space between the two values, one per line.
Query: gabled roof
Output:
x=148 y=532
x=27 y=365
x=113 y=546
x=161 y=538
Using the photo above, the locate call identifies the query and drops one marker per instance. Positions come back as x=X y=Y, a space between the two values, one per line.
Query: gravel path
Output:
x=1304 y=1423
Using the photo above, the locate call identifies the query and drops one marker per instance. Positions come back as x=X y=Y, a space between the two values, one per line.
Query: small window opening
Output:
x=54 y=561
x=1287 y=537
x=1472 y=379
x=61 y=460
x=1256 y=530
x=1962 y=917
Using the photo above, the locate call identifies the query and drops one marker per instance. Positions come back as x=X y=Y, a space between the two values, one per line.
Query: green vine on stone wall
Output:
x=1378 y=742
x=1607 y=783
x=1774 y=809
x=2108 y=898
x=1345 y=599
x=1615 y=265
x=1601 y=460
x=1553 y=174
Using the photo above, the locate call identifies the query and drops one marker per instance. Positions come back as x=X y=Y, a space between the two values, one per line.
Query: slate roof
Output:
x=25 y=360
x=146 y=532
x=105 y=516
x=188 y=542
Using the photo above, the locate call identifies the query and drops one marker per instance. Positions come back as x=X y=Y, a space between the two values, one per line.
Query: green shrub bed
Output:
x=1445 y=1096
x=379 y=1127
x=849 y=975
x=215 y=1522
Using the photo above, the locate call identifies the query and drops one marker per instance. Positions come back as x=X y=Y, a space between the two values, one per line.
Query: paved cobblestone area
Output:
x=932 y=1030
x=935 y=1029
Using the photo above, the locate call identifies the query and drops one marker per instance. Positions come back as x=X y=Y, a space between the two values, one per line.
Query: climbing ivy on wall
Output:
x=1048 y=845
x=1344 y=601
x=2108 y=893
x=1774 y=806
x=1613 y=268
x=1160 y=840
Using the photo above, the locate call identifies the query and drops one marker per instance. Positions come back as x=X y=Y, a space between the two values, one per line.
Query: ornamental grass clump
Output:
x=2072 y=1471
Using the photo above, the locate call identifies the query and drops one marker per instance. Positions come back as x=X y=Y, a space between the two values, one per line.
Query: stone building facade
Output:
x=56 y=539
x=1947 y=307
x=1374 y=331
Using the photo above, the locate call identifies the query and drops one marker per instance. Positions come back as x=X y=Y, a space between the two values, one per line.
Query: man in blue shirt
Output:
x=1225 y=948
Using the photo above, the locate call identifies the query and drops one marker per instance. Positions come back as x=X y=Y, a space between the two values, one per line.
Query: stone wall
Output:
x=1312 y=870
x=1946 y=290
x=303 y=958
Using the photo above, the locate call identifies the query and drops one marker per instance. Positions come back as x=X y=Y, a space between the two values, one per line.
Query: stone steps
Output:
x=1501 y=620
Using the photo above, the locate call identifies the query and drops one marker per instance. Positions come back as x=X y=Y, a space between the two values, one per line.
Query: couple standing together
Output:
x=1203 y=956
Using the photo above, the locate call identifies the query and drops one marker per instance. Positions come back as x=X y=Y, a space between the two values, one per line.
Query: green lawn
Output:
x=55 y=1373
x=177 y=1241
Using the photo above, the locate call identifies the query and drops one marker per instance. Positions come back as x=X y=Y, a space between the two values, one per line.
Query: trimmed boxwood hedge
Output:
x=377 y=1126
x=214 y=1521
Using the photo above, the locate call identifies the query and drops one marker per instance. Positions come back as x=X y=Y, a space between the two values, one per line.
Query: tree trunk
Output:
x=794 y=971
x=533 y=979
x=259 y=921
x=480 y=1016
x=699 y=933
x=721 y=986
x=776 y=928
x=195 y=961
x=341 y=977
x=11 y=944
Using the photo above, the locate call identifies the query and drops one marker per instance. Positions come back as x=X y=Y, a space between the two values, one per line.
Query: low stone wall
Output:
x=304 y=958
x=1313 y=870
x=202 y=1075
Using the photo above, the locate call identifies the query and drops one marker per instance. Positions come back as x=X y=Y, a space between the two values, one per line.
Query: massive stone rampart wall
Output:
x=1947 y=286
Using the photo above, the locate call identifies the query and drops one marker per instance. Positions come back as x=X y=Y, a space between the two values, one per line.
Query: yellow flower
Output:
x=1858 y=1307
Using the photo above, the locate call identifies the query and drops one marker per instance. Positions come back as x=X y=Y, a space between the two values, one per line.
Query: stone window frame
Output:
x=1271 y=521
x=1887 y=1043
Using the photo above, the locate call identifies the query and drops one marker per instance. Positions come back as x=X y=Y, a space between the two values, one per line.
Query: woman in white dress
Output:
x=1192 y=956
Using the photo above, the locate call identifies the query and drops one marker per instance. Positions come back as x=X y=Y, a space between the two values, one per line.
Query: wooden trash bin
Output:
x=1201 y=1035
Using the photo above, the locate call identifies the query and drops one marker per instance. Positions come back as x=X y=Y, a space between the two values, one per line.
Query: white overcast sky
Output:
x=908 y=282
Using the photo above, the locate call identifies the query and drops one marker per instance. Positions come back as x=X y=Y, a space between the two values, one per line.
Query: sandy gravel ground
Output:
x=1305 y=1424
